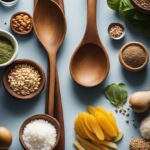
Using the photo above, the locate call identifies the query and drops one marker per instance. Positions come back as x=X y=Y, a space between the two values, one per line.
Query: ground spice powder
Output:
x=134 y=56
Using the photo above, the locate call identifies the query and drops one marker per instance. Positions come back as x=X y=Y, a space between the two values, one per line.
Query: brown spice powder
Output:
x=134 y=56
x=139 y=144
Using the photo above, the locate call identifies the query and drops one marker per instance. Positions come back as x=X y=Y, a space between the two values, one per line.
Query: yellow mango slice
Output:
x=78 y=145
x=78 y=129
x=87 y=133
x=119 y=137
x=110 y=118
x=105 y=124
x=91 y=110
x=108 y=138
x=89 y=146
x=109 y=144
x=86 y=117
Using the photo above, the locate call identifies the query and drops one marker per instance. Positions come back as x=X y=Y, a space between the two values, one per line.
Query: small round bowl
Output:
x=24 y=61
x=14 y=42
x=118 y=24
x=17 y=32
x=48 y=118
x=140 y=9
x=8 y=4
x=129 y=68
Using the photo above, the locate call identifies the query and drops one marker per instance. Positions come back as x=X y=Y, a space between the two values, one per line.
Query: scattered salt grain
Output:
x=39 y=135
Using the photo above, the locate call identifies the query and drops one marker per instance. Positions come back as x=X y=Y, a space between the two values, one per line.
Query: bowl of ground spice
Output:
x=24 y=79
x=134 y=56
x=8 y=48
x=142 y=5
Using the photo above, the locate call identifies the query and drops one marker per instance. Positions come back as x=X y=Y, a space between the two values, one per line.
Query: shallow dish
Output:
x=129 y=68
x=8 y=4
x=17 y=32
x=48 y=118
x=141 y=9
x=14 y=42
x=32 y=63
x=120 y=25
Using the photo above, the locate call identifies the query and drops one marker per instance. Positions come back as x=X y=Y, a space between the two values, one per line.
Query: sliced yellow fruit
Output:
x=119 y=137
x=110 y=118
x=105 y=124
x=108 y=138
x=86 y=117
x=78 y=129
x=91 y=110
x=109 y=144
x=95 y=127
x=89 y=146
x=87 y=133
x=78 y=145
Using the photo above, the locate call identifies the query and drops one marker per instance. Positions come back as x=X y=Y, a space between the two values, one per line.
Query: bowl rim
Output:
x=141 y=9
x=17 y=32
x=129 y=68
x=10 y=37
x=119 y=24
x=32 y=63
x=46 y=117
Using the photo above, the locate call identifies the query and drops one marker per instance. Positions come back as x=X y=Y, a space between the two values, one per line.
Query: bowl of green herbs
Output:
x=8 y=48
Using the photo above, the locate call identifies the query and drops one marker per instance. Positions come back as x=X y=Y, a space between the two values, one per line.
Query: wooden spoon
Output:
x=90 y=63
x=50 y=27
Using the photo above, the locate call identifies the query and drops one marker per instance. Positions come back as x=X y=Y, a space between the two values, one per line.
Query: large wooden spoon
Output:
x=50 y=27
x=90 y=63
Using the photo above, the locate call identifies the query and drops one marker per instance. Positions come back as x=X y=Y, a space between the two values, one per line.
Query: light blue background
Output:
x=74 y=97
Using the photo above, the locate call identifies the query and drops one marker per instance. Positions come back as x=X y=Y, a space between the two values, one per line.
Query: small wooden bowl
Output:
x=129 y=68
x=118 y=24
x=17 y=32
x=48 y=118
x=24 y=61
x=141 y=9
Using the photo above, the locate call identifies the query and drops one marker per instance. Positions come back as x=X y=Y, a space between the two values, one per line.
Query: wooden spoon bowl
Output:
x=89 y=69
x=48 y=118
x=36 y=66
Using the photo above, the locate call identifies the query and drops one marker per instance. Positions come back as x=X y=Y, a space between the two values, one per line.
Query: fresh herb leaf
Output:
x=116 y=93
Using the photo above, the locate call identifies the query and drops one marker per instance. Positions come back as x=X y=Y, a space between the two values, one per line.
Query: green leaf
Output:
x=116 y=93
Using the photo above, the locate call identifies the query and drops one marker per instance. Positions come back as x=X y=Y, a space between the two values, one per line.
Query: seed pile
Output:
x=22 y=23
x=139 y=144
x=24 y=79
x=143 y=3
x=116 y=31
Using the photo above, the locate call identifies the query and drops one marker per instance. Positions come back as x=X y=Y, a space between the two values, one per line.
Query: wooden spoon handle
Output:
x=58 y=113
x=52 y=68
x=91 y=28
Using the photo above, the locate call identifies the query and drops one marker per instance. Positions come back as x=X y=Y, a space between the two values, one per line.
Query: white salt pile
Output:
x=39 y=135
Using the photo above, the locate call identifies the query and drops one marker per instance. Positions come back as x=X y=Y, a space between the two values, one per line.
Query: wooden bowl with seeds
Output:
x=116 y=31
x=24 y=79
x=141 y=5
x=21 y=23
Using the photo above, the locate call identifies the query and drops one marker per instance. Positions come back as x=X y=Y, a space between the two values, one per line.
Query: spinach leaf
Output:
x=116 y=93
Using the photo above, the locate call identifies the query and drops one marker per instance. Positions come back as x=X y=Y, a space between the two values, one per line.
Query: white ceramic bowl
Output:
x=14 y=42
x=8 y=4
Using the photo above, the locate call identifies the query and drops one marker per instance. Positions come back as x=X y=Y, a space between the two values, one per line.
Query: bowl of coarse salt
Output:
x=40 y=132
